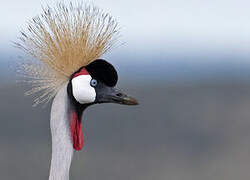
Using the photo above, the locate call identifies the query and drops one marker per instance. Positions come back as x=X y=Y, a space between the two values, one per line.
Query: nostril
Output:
x=119 y=94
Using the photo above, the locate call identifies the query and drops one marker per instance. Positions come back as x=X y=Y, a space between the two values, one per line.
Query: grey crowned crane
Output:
x=69 y=40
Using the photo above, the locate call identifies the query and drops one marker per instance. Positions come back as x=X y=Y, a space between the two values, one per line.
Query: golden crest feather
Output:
x=64 y=39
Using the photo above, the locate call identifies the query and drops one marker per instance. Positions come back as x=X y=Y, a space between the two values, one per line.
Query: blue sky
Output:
x=171 y=27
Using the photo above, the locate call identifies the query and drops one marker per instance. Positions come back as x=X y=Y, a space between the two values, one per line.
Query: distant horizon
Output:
x=154 y=69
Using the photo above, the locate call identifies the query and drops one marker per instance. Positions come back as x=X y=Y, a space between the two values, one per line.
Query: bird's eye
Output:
x=93 y=82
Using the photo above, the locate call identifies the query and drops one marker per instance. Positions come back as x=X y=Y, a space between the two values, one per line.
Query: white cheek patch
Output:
x=81 y=89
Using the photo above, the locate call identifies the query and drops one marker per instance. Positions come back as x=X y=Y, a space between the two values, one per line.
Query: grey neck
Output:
x=62 y=149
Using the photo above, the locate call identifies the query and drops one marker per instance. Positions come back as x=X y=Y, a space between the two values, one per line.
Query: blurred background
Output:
x=187 y=62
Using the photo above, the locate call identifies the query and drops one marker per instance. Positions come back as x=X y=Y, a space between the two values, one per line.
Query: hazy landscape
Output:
x=193 y=123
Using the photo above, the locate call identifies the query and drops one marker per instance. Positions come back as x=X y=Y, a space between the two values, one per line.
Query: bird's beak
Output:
x=113 y=95
x=121 y=98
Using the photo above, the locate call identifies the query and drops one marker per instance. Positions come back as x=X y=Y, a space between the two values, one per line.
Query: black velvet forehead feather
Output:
x=103 y=71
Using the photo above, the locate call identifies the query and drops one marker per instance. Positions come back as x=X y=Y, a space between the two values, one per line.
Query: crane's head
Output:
x=95 y=83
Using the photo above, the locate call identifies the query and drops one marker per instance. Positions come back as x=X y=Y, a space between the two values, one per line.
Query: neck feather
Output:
x=62 y=148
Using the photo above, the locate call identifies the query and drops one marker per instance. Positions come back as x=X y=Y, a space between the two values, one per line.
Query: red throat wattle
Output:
x=76 y=131
x=75 y=122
